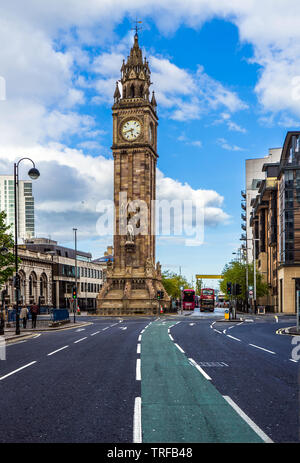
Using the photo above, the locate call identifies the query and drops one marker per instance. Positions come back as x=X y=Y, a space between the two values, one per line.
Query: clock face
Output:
x=131 y=129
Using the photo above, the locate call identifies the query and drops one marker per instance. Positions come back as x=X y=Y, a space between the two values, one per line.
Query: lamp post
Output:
x=254 y=272
x=75 y=300
x=33 y=174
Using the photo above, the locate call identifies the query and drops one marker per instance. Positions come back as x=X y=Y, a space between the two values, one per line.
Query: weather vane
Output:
x=137 y=28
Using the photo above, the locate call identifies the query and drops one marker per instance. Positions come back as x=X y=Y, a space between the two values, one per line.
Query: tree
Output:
x=199 y=284
x=173 y=282
x=235 y=272
x=7 y=259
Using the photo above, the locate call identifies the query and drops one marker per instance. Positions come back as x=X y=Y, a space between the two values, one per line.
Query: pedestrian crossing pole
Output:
x=298 y=311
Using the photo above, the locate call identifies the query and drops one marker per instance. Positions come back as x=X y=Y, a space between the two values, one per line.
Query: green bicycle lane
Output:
x=178 y=403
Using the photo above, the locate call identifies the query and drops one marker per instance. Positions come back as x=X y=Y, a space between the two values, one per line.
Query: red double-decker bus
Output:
x=207 y=299
x=188 y=299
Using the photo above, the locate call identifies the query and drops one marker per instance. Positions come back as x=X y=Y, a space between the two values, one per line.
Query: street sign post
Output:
x=298 y=310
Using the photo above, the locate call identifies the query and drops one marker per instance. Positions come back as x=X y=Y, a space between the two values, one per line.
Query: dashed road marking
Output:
x=248 y=420
x=195 y=364
x=138 y=370
x=58 y=350
x=262 y=348
x=93 y=334
x=79 y=340
x=137 y=421
x=178 y=347
x=232 y=337
x=19 y=369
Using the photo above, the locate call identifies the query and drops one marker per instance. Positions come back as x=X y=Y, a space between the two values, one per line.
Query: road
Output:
x=171 y=379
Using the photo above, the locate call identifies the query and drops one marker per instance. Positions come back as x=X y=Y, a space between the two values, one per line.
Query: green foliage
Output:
x=235 y=272
x=172 y=283
x=7 y=261
x=199 y=285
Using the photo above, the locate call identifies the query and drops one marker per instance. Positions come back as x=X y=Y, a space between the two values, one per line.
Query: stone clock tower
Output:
x=133 y=279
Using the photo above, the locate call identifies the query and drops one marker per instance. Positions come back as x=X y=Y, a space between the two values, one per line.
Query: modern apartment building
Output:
x=254 y=175
x=25 y=203
x=275 y=222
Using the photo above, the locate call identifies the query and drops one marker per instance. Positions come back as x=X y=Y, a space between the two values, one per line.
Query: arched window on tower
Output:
x=141 y=91
x=124 y=92
x=132 y=91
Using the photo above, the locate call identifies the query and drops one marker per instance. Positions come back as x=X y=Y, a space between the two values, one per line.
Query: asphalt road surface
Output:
x=171 y=379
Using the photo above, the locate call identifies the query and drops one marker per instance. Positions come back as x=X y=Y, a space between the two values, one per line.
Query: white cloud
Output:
x=226 y=146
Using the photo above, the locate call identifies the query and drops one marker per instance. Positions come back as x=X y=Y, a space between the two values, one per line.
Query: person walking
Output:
x=24 y=315
x=34 y=313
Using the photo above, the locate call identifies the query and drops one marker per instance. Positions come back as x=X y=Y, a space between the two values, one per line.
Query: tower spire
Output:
x=135 y=72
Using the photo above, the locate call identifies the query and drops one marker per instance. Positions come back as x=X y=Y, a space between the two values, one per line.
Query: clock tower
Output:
x=133 y=279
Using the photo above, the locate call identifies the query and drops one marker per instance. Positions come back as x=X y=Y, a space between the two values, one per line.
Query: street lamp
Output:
x=33 y=174
x=75 y=300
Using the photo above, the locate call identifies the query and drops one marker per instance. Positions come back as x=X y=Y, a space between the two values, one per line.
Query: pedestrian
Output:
x=24 y=315
x=34 y=312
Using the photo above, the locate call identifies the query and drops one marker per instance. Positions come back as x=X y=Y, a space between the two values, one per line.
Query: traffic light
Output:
x=238 y=289
x=160 y=295
x=74 y=292
x=228 y=290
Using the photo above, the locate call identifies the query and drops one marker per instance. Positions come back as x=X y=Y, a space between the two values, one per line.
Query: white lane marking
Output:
x=137 y=421
x=138 y=370
x=114 y=324
x=232 y=337
x=262 y=348
x=217 y=331
x=249 y=320
x=79 y=340
x=105 y=328
x=37 y=336
x=140 y=338
x=19 y=369
x=248 y=420
x=178 y=347
x=276 y=318
x=224 y=364
x=142 y=331
x=93 y=334
x=292 y=360
x=239 y=323
x=192 y=324
x=138 y=350
x=51 y=353
x=123 y=328
x=213 y=323
x=224 y=331
x=231 y=327
x=171 y=337
x=80 y=329
x=195 y=364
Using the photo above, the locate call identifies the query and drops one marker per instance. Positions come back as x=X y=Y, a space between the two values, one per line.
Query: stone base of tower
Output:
x=136 y=294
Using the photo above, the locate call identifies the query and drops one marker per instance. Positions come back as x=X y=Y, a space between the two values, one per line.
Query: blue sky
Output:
x=226 y=82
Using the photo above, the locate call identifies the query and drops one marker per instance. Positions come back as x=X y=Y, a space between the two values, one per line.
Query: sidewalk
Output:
x=10 y=332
